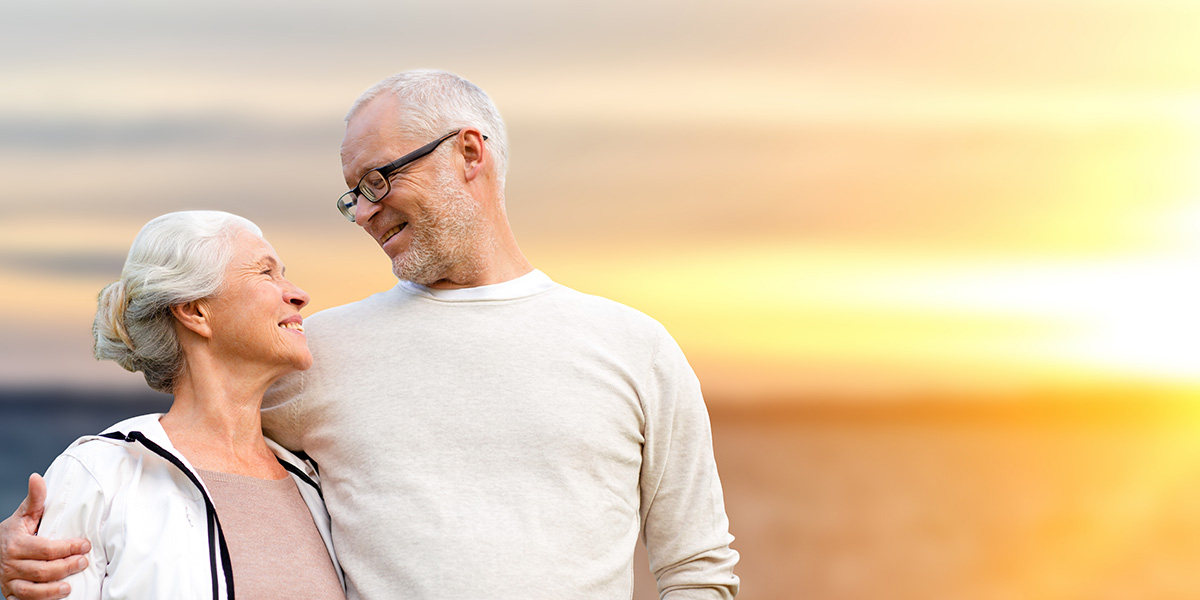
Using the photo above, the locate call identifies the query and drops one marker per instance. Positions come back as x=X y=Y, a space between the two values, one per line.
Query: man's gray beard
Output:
x=447 y=237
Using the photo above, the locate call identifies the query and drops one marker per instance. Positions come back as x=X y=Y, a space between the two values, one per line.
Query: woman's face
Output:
x=255 y=317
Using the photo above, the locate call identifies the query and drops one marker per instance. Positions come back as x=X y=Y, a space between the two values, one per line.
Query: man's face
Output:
x=427 y=224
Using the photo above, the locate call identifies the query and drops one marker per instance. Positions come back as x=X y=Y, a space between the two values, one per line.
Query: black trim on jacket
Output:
x=226 y=564
x=219 y=538
x=301 y=474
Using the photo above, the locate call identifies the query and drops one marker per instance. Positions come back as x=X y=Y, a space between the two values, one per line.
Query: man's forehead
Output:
x=371 y=141
x=364 y=141
x=382 y=114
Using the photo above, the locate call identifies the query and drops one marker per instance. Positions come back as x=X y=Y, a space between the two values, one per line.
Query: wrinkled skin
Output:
x=31 y=567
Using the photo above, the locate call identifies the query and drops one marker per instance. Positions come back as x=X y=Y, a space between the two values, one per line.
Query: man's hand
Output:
x=31 y=567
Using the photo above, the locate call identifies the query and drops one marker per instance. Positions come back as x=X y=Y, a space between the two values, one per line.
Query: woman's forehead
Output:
x=251 y=248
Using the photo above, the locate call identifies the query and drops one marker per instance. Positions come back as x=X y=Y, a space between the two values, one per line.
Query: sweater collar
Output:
x=531 y=283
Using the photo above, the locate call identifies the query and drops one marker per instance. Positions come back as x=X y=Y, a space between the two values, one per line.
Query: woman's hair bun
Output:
x=112 y=339
x=175 y=259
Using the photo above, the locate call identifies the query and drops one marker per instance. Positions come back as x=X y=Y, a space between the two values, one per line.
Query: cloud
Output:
x=73 y=264
x=23 y=132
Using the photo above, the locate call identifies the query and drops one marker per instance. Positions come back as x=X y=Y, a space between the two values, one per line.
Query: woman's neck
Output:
x=215 y=422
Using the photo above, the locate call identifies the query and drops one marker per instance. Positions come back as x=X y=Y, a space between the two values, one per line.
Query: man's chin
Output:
x=405 y=270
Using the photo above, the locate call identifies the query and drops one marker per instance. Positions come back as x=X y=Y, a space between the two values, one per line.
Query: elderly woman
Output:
x=183 y=504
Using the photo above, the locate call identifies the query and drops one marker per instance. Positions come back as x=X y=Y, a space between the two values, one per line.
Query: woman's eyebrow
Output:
x=267 y=260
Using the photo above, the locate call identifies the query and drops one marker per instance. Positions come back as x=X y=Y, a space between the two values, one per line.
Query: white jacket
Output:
x=150 y=519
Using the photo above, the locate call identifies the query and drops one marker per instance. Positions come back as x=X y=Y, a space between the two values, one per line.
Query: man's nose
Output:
x=364 y=210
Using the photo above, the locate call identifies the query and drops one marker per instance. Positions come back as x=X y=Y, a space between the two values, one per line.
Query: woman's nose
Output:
x=295 y=295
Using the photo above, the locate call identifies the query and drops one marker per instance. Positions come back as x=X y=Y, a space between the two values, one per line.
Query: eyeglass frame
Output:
x=348 y=209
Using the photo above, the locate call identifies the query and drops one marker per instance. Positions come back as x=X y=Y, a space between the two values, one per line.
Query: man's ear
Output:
x=194 y=316
x=475 y=154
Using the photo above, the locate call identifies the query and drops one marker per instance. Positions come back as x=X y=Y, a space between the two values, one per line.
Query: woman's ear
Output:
x=194 y=316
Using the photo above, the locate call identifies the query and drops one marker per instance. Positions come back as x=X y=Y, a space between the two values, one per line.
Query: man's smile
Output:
x=387 y=235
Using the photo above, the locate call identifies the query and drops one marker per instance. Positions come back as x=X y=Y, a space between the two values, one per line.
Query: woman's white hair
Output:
x=437 y=102
x=175 y=259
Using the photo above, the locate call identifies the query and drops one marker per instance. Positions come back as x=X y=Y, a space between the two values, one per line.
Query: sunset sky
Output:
x=855 y=197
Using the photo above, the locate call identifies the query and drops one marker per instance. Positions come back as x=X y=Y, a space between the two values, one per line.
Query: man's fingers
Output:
x=25 y=590
x=40 y=571
x=19 y=548
x=46 y=578
x=31 y=567
x=35 y=502
x=29 y=514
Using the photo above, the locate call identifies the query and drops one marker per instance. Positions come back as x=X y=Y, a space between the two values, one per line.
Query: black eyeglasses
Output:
x=375 y=184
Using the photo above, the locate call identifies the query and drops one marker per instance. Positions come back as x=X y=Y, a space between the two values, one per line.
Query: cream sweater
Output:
x=507 y=441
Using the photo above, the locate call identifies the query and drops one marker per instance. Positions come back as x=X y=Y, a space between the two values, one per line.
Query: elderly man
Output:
x=482 y=431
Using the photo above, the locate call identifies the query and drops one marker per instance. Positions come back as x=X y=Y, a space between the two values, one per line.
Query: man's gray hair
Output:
x=175 y=259
x=437 y=102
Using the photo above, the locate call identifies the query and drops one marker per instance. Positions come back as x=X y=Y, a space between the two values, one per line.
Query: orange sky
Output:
x=812 y=196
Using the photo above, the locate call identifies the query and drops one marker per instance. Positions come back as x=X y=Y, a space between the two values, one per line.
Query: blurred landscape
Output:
x=934 y=262
x=1093 y=497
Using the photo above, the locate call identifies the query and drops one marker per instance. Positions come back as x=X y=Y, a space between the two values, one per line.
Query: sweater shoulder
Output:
x=607 y=312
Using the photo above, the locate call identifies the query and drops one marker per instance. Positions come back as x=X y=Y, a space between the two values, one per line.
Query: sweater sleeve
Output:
x=76 y=506
x=684 y=525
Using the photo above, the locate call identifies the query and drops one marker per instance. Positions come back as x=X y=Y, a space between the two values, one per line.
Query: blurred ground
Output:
x=1013 y=501
x=1034 y=499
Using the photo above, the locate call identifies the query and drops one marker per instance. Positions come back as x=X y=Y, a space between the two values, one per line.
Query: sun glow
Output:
x=926 y=315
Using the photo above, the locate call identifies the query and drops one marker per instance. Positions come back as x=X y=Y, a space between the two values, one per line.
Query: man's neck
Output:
x=503 y=261
x=490 y=279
